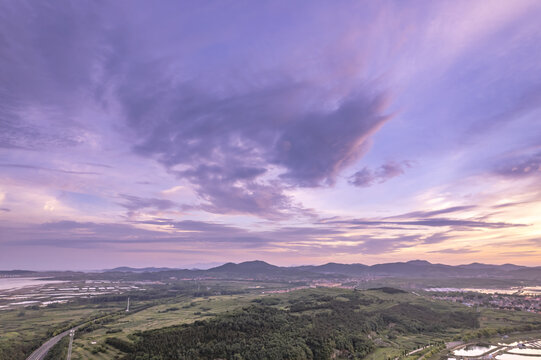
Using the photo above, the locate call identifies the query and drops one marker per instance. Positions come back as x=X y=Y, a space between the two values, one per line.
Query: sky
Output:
x=193 y=133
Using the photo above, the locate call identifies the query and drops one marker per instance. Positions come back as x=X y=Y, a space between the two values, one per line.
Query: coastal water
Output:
x=17 y=283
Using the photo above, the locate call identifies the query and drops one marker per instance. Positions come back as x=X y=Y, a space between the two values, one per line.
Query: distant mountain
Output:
x=479 y=266
x=530 y=273
x=261 y=270
x=138 y=270
x=425 y=269
x=333 y=271
x=409 y=269
x=509 y=267
x=415 y=268
x=255 y=267
x=336 y=268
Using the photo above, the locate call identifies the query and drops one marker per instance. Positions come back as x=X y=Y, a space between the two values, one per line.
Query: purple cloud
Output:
x=41 y=168
x=387 y=245
x=226 y=146
x=233 y=118
x=51 y=57
x=204 y=235
x=192 y=225
x=236 y=190
x=455 y=251
x=523 y=166
x=433 y=222
x=429 y=214
x=316 y=148
x=135 y=203
x=96 y=235
x=437 y=238
x=366 y=177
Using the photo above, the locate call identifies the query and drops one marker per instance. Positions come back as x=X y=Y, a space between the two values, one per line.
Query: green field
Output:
x=174 y=312
x=388 y=342
x=410 y=321
x=23 y=330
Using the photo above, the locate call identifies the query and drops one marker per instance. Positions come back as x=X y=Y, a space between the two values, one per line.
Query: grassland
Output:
x=175 y=311
x=30 y=327
x=23 y=330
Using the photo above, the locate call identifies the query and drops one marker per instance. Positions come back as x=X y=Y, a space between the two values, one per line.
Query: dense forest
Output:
x=59 y=350
x=18 y=348
x=317 y=326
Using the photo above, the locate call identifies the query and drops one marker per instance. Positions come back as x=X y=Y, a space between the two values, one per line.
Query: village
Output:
x=517 y=302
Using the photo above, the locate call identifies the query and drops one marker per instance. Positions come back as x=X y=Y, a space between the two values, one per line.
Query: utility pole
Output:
x=128 y=307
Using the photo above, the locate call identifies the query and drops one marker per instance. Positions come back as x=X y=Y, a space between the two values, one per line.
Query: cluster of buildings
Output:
x=498 y=301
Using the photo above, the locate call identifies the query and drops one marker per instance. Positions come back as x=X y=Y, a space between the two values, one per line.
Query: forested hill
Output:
x=310 y=325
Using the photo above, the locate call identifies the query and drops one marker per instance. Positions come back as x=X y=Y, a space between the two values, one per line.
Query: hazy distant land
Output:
x=486 y=300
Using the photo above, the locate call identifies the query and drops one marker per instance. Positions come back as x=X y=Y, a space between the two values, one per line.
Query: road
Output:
x=40 y=353
x=72 y=333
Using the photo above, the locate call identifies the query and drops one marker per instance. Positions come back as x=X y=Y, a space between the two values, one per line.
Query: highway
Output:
x=40 y=353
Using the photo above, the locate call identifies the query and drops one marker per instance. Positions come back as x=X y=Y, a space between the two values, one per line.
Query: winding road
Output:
x=40 y=353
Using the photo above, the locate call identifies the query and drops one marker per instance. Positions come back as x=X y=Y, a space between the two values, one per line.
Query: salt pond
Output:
x=473 y=350
x=516 y=357
x=526 y=352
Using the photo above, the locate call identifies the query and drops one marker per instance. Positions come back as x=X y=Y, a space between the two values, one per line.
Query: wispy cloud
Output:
x=136 y=203
x=34 y=167
x=433 y=213
x=432 y=222
x=519 y=167
x=454 y=251
x=366 y=177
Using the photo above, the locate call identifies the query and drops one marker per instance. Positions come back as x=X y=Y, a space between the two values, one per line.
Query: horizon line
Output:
x=256 y=260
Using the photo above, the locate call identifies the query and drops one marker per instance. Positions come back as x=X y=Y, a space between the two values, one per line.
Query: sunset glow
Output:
x=187 y=134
